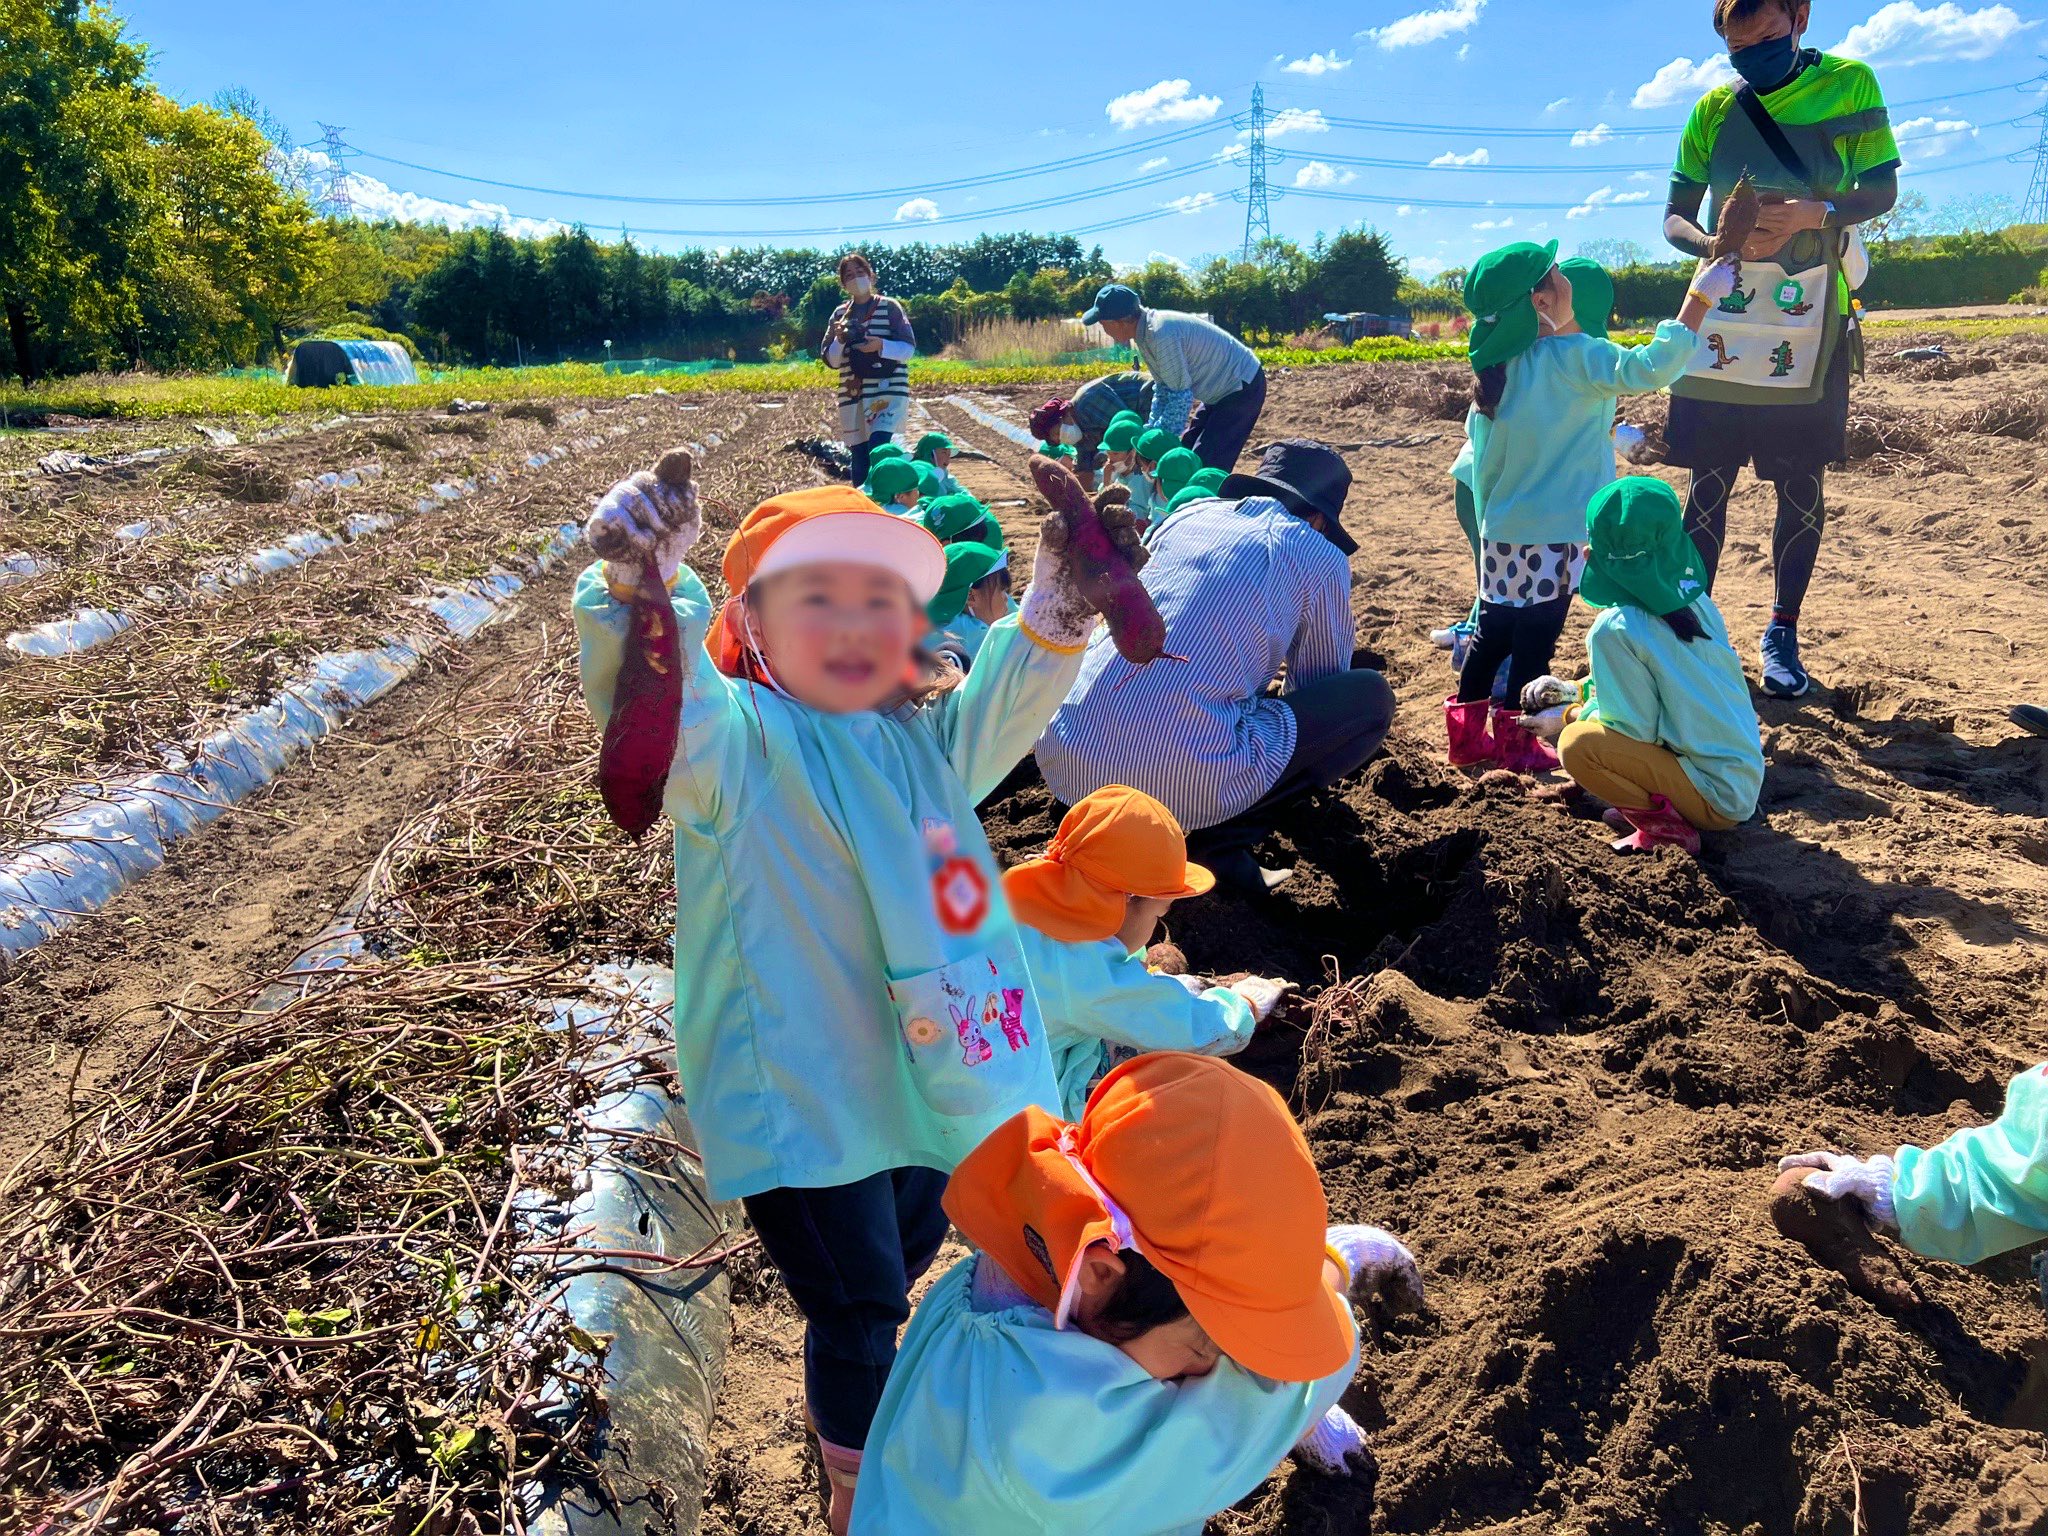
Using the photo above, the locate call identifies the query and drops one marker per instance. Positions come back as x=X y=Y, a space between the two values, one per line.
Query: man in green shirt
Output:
x=1827 y=116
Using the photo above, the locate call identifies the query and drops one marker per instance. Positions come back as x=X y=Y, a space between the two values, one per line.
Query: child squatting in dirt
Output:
x=853 y=1011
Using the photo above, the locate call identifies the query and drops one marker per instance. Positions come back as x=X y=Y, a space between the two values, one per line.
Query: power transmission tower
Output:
x=334 y=197
x=2035 y=210
x=1258 y=221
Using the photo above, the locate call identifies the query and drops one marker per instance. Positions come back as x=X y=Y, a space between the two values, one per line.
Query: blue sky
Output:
x=1571 y=108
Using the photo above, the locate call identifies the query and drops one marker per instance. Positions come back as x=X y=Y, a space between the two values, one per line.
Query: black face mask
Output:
x=1767 y=64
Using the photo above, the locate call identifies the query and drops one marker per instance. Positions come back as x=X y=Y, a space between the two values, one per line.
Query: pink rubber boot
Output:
x=1659 y=827
x=1466 y=725
x=1519 y=750
x=842 y=1472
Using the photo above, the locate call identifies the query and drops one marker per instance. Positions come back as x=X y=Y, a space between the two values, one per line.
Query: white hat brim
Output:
x=862 y=538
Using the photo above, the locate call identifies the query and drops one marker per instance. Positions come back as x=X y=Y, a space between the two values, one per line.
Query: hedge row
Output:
x=1898 y=281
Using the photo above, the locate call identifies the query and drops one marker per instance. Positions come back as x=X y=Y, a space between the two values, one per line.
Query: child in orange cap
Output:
x=1087 y=908
x=1156 y=1314
x=853 y=1011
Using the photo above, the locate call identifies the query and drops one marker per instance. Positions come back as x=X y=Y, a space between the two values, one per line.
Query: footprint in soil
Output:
x=1833 y=1232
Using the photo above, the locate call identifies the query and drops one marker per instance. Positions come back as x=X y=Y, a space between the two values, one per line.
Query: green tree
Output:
x=1358 y=271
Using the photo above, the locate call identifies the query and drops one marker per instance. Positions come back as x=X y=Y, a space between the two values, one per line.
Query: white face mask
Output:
x=1070 y=434
x=861 y=287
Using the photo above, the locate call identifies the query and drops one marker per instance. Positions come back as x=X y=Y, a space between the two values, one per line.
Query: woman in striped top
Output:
x=870 y=342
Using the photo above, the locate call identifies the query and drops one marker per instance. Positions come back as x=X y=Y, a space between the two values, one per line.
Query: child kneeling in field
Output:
x=1668 y=736
x=936 y=449
x=1087 y=908
x=975 y=597
x=1155 y=1316
x=853 y=1012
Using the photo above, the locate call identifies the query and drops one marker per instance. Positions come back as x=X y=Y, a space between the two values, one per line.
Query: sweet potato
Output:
x=1107 y=579
x=647 y=700
x=1736 y=220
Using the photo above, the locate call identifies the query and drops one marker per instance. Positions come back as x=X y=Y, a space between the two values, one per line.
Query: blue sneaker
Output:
x=1784 y=677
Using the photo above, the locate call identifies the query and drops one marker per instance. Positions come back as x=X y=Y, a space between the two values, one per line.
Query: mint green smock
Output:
x=964 y=633
x=1689 y=698
x=1098 y=996
x=1549 y=446
x=830 y=1022
x=1984 y=1191
x=995 y=1424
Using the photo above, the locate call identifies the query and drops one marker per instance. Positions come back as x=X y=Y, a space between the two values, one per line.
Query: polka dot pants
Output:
x=1523 y=575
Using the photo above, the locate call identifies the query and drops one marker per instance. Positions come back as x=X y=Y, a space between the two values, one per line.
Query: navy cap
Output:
x=1114 y=302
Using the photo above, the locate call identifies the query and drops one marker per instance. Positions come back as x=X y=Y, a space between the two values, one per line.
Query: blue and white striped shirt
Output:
x=1191 y=361
x=1245 y=588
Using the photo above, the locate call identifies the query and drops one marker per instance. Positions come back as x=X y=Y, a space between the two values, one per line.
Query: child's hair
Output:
x=1728 y=12
x=1144 y=1299
x=1685 y=624
x=853 y=262
x=1491 y=382
x=997 y=580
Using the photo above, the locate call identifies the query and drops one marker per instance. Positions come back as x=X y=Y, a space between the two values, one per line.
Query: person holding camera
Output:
x=870 y=342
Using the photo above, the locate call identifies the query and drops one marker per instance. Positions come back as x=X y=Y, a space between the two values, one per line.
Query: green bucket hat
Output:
x=927 y=477
x=890 y=479
x=1121 y=435
x=931 y=443
x=1156 y=444
x=965 y=565
x=885 y=451
x=1637 y=551
x=1183 y=497
x=1497 y=292
x=1592 y=295
x=1210 y=480
x=949 y=517
x=1176 y=470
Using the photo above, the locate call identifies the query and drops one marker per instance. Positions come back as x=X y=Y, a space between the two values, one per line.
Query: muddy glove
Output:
x=1335 y=1445
x=1056 y=609
x=644 y=518
x=1546 y=724
x=1264 y=995
x=1867 y=1181
x=1715 y=280
x=1380 y=1265
x=1547 y=692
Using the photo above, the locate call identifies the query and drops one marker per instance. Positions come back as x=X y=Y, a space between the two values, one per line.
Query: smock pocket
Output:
x=964 y=1029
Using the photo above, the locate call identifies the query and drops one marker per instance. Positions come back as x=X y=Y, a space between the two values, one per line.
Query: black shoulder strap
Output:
x=1774 y=137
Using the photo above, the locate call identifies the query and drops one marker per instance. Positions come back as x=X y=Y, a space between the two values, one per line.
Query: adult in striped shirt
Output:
x=1208 y=386
x=1254 y=586
x=870 y=342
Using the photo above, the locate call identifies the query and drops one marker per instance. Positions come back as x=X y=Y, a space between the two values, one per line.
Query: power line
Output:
x=1258 y=219
x=334 y=197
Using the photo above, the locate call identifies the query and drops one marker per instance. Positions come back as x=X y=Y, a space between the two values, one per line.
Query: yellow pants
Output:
x=1629 y=773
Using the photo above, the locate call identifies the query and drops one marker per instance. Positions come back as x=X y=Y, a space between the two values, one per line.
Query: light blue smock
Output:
x=1099 y=996
x=964 y=634
x=824 y=1006
x=1984 y=1191
x=995 y=1424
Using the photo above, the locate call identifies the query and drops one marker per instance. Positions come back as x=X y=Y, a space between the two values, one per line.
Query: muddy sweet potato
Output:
x=1736 y=220
x=1833 y=1232
x=1108 y=582
x=647 y=700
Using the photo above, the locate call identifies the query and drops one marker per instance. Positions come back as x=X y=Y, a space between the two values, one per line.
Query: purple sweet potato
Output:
x=647 y=700
x=1736 y=221
x=1107 y=578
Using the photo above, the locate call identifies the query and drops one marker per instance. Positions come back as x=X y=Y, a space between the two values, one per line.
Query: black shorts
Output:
x=1783 y=441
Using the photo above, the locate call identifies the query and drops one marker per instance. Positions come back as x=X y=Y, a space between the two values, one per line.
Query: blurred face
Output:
x=836 y=636
x=857 y=284
x=1173 y=1351
x=1554 y=304
x=1122 y=332
x=990 y=599
x=1142 y=917
x=941 y=457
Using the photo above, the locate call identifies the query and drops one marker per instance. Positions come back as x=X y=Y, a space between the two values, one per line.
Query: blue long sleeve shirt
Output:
x=1192 y=361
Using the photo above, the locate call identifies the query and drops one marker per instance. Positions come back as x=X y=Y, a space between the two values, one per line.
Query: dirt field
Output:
x=1560 y=1075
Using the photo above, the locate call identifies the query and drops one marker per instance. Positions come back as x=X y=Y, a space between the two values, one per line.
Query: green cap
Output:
x=1176 y=469
x=1182 y=497
x=931 y=443
x=1637 y=549
x=1057 y=450
x=1121 y=435
x=1210 y=479
x=1155 y=444
x=948 y=517
x=885 y=451
x=1128 y=415
x=890 y=479
x=965 y=565
x=1497 y=292
x=1592 y=295
x=927 y=477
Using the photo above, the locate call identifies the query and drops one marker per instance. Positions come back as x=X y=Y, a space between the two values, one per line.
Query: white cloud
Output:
x=1557 y=106
x=1464 y=52
x=1406 y=209
x=1166 y=102
x=1169 y=258
x=1586 y=138
x=374 y=199
x=1427 y=26
x=1194 y=202
x=1452 y=157
x=1606 y=197
x=1155 y=162
x=1317 y=64
x=1929 y=138
x=1426 y=266
x=1231 y=152
x=1681 y=81
x=1902 y=33
x=917 y=208
x=1318 y=174
x=1506 y=223
x=1295 y=120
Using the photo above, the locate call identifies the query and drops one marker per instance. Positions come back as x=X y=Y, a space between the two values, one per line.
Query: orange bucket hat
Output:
x=1198 y=1167
x=824 y=522
x=1116 y=843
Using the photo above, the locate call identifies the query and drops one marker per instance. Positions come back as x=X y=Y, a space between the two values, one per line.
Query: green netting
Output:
x=249 y=373
x=666 y=365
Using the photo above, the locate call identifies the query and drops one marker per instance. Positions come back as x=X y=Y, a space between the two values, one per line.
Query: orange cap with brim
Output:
x=1116 y=843
x=1201 y=1169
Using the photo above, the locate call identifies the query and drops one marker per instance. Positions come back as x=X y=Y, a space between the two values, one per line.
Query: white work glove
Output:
x=1264 y=995
x=1335 y=1446
x=1055 y=609
x=1715 y=280
x=1546 y=724
x=1866 y=1180
x=1380 y=1265
x=1547 y=692
x=642 y=517
x=1196 y=985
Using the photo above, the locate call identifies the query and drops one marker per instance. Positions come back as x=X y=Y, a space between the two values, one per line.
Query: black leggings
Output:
x=1526 y=638
x=1795 y=537
x=858 y=473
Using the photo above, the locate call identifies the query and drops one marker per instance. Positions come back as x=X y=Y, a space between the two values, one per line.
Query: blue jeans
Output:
x=849 y=1255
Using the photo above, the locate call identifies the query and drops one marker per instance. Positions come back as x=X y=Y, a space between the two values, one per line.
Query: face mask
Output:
x=1070 y=434
x=861 y=287
x=1767 y=63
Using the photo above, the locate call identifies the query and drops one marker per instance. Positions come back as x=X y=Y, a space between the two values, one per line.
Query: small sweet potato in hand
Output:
x=1834 y=1232
x=1736 y=220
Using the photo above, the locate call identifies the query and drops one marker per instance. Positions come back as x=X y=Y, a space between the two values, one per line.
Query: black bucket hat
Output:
x=1307 y=478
